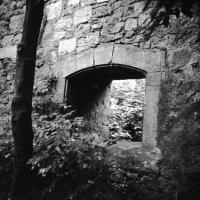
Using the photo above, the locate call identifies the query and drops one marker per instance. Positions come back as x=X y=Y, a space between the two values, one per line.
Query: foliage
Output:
x=71 y=157
x=164 y=9
x=6 y=163
x=188 y=7
x=69 y=163
x=126 y=120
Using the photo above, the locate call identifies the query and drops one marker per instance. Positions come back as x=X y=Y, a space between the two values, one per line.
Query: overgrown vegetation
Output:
x=70 y=159
x=73 y=160
x=127 y=104
x=68 y=163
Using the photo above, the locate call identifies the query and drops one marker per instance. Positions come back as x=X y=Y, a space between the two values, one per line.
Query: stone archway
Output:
x=88 y=91
x=149 y=61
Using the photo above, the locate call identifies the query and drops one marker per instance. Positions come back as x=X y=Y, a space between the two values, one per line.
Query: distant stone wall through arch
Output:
x=98 y=66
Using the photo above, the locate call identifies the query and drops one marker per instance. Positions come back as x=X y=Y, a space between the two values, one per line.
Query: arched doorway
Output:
x=88 y=92
x=108 y=62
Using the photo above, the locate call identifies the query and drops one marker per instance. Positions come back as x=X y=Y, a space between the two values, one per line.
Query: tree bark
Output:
x=22 y=101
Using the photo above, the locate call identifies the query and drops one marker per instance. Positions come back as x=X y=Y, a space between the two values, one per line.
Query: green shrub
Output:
x=72 y=159
x=126 y=120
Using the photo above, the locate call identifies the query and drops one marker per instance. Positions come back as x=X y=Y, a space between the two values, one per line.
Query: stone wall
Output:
x=7 y=72
x=74 y=26
x=11 y=19
x=90 y=97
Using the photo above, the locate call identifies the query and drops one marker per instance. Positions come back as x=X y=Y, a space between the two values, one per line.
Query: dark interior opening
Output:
x=89 y=93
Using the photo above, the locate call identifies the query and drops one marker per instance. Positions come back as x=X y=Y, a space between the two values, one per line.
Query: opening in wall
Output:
x=127 y=109
x=127 y=62
x=111 y=99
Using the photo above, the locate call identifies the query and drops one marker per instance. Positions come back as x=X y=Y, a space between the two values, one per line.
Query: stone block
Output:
x=59 y=94
x=138 y=38
x=20 y=4
x=101 y=11
x=150 y=115
x=179 y=57
x=100 y=1
x=82 y=15
x=131 y=24
x=8 y=52
x=16 y=23
x=82 y=31
x=77 y=62
x=47 y=31
x=144 y=19
x=117 y=27
x=73 y=2
x=62 y=23
x=93 y=38
x=67 y=46
x=96 y=26
x=144 y=59
x=17 y=39
x=59 y=35
x=81 y=41
x=52 y=45
x=9 y=77
x=53 y=57
x=138 y=7
x=54 y=10
x=7 y=40
x=87 y=2
x=153 y=79
x=103 y=54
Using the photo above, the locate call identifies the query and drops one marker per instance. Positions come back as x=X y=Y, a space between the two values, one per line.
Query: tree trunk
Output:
x=22 y=101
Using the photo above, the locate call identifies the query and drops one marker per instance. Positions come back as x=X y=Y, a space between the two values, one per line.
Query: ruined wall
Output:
x=74 y=26
x=7 y=72
x=11 y=19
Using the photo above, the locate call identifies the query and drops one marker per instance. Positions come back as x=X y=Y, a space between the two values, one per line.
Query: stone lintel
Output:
x=145 y=59
x=149 y=60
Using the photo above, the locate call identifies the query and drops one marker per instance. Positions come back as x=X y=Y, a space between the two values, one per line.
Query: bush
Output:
x=65 y=155
x=6 y=166
x=127 y=99
x=70 y=163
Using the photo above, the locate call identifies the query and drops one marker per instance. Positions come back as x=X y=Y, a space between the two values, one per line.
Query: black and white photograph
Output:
x=99 y=99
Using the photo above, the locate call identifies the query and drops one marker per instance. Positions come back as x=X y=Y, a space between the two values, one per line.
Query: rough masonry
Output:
x=87 y=35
